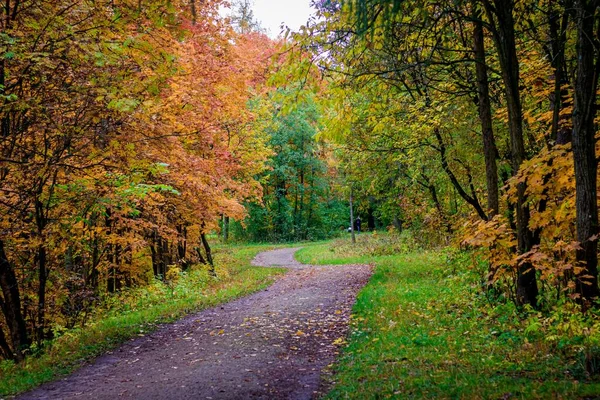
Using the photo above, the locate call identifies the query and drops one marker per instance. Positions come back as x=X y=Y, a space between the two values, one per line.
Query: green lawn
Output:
x=420 y=329
x=138 y=312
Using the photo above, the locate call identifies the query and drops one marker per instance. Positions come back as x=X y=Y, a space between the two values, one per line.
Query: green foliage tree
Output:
x=403 y=78
x=297 y=203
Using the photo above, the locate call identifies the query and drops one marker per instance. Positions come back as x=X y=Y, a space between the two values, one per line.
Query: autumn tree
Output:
x=584 y=146
x=401 y=76
x=60 y=94
x=124 y=140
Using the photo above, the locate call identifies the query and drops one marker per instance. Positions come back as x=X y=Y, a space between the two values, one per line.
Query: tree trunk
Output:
x=154 y=257
x=558 y=35
x=11 y=306
x=281 y=230
x=370 y=219
x=160 y=259
x=208 y=255
x=182 y=248
x=584 y=152
x=43 y=278
x=311 y=201
x=110 y=279
x=485 y=117
x=559 y=133
x=426 y=183
x=471 y=199
x=487 y=132
x=117 y=269
x=302 y=234
x=5 y=351
x=225 y=228
x=91 y=273
x=193 y=11
x=438 y=206
x=503 y=29
x=200 y=256
x=397 y=223
x=352 y=217
x=41 y=259
x=167 y=256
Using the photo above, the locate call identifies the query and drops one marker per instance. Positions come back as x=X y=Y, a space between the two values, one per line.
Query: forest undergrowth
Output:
x=137 y=312
x=424 y=327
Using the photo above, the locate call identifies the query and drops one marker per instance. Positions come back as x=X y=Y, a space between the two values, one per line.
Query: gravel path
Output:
x=273 y=344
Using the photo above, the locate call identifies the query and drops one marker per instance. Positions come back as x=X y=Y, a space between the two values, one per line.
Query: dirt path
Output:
x=272 y=345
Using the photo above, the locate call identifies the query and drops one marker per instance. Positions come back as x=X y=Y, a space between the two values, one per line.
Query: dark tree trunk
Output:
x=43 y=278
x=193 y=11
x=5 y=351
x=117 y=275
x=558 y=25
x=110 y=279
x=559 y=133
x=161 y=257
x=208 y=255
x=503 y=29
x=182 y=248
x=167 y=256
x=127 y=259
x=41 y=259
x=584 y=152
x=10 y=300
x=485 y=116
x=295 y=216
x=370 y=219
x=200 y=256
x=11 y=305
x=472 y=198
x=91 y=273
x=352 y=217
x=155 y=261
x=490 y=151
x=397 y=223
x=311 y=200
x=225 y=228
x=426 y=183
x=280 y=194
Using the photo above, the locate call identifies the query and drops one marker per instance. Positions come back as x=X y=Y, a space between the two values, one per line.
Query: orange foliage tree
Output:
x=124 y=139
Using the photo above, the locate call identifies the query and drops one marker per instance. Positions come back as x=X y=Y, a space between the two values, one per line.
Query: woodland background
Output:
x=133 y=132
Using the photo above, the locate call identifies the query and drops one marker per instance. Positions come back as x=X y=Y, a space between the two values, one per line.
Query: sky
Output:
x=271 y=13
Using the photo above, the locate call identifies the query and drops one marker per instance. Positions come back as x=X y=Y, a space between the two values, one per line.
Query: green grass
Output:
x=420 y=329
x=138 y=312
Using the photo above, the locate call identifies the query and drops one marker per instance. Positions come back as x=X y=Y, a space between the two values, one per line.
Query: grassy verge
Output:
x=420 y=329
x=138 y=312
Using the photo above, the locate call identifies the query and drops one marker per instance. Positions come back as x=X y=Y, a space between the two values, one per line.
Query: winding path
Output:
x=274 y=344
